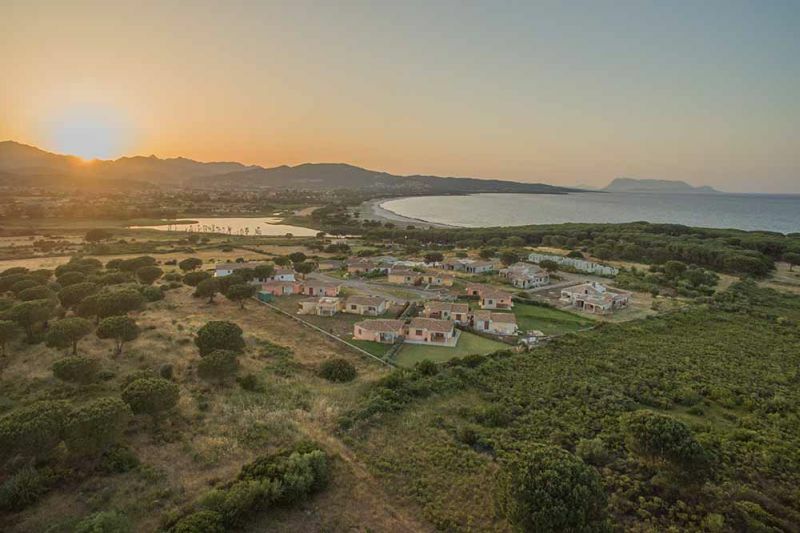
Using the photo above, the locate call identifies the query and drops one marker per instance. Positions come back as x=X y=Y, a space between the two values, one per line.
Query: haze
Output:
x=564 y=92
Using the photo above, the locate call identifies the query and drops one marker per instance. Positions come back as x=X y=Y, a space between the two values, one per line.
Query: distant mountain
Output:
x=653 y=185
x=27 y=165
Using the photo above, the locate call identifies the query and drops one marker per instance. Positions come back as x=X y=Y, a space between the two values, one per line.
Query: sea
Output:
x=768 y=212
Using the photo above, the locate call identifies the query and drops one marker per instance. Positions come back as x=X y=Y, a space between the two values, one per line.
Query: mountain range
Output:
x=655 y=185
x=22 y=165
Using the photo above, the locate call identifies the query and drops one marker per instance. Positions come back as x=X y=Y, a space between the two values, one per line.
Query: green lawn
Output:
x=468 y=343
x=548 y=320
x=375 y=348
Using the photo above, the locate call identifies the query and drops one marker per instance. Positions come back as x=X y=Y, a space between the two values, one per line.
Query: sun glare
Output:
x=89 y=134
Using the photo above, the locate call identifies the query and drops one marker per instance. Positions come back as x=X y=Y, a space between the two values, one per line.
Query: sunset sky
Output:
x=566 y=92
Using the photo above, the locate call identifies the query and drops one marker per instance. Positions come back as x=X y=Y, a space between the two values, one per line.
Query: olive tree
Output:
x=67 y=332
x=546 y=488
x=96 y=426
x=219 y=335
x=151 y=396
x=8 y=332
x=120 y=328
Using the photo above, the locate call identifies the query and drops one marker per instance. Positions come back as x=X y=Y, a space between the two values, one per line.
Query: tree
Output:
x=67 y=332
x=33 y=431
x=9 y=331
x=24 y=284
x=96 y=426
x=40 y=292
x=264 y=271
x=548 y=489
x=120 y=328
x=218 y=365
x=148 y=274
x=190 y=263
x=281 y=261
x=201 y=522
x=509 y=257
x=674 y=269
x=207 y=288
x=793 y=258
x=135 y=263
x=193 y=279
x=487 y=253
x=434 y=257
x=71 y=278
x=240 y=293
x=151 y=396
x=111 y=302
x=549 y=265
x=219 y=335
x=76 y=369
x=664 y=440
x=96 y=235
x=297 y=257
x=29 y=314
x=338 y=370
x=304 y=268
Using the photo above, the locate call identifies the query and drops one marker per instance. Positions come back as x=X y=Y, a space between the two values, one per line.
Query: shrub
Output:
x=426 y=367
x=548 y=489
x=33 y=431
x=96 y=426
x=148 y=274
x=152 y=294
x=71 y=278
x=218 y=365
x=201 y=522
x=8 y=332
x=592 y=451
x=166 y=371
x=104 y=522
x=338 y=370
x=219 y=335
x=76 y=369
x=193 y=279
x=250 y=382
x=39 y=292
x=151 y=395
x=24 y=487
x=118 y=459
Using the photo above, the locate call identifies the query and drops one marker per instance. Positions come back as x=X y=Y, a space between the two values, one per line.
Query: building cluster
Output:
x=594 y=297
x=581 y=265
x=525 y=275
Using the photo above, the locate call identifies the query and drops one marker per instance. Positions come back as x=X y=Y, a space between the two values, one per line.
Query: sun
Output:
x=89 y=133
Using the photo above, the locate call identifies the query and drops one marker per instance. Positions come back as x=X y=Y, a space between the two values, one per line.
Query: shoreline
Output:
x=373 y=210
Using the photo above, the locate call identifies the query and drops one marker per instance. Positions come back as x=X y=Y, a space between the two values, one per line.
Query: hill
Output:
x=23 y=164
x=655 y=185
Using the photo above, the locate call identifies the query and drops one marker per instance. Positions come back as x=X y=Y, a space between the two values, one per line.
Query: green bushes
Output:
x=218 y=365
x=104 y=522
x=219 y=335
x=25 y=487
x=284 y=478
x=337 y=370
x=66 y=333
x=547 y=489
x=33 y=431
x=151 y=396
x=121 y=329
x=76 y=369
x=95 y=427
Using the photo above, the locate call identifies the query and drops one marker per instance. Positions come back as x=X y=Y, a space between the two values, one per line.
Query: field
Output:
x=468 y=344
x=548 y=320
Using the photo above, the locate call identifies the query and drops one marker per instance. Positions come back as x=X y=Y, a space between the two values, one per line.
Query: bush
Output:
x=152 y=294
x=104 y=522
x=71 y=278
x=250 y=382
x=151 y=395
x=166 y=371
x=118 y=459
x=193 y=279
x=219 y=335
x=33 y=431
x=95 y=427
x=39 y=292
x=337 y=370
x=548 y=489
x=201 y=522
x=426 y=367
x=24 y=487
x=76 y=369
x=148 y=274
x=218 y=365
x=592 y=451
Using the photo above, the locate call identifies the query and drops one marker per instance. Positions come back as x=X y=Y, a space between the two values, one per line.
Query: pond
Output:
x=266 y=226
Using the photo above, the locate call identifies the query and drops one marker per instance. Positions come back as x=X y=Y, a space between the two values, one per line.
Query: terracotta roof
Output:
x=431 y=324
x=506 y=318
x=322 y=284
x=494 y=293
x=402 y=272
x=366 y=300
x=436 y=305
x=379 y=324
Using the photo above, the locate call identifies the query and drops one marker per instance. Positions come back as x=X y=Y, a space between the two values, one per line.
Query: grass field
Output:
x=375 y=348
x=468 y=344
x=548 y=320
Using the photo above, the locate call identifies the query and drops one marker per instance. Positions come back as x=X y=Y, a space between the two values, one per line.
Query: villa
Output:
x=283 y=274
x=432 y=331
x=363 y=266
x=226 y=269
x=365 y=305
x=457 y=312
x=437 y=280
x=379 y=330
x=594 y=297
x=320 y=288
x=403 y=276
x=526 y=276
x=489 y=297
x=324 y=306
x=282 y=288
x=494 y=323
x=411 y=277
x=470 y=266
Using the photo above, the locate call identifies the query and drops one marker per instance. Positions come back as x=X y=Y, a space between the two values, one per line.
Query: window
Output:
x=418 y=332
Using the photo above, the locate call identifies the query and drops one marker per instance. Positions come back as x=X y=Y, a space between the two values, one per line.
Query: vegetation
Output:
x=219 y=335
x=218 y=365
x=151 y=396
x=66 y=333
x=121 y=329
x=76 y=369
x=338 y=370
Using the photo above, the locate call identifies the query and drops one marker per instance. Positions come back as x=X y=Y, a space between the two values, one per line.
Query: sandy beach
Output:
x=372 y=210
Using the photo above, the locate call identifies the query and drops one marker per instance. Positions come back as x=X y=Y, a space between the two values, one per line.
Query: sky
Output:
x=563 y=92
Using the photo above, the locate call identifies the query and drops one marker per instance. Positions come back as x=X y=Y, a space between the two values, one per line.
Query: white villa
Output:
x=457 y=312
x=526 y=275
x=365 y=305
x=325 y=306
x=470 y=266
x=495 y=323
x=590 y=267
x=594 y=297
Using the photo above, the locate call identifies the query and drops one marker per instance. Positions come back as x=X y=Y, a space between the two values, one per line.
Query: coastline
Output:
x=373 y=210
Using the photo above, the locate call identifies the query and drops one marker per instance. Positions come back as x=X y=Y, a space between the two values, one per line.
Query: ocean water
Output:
x=779 y=213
